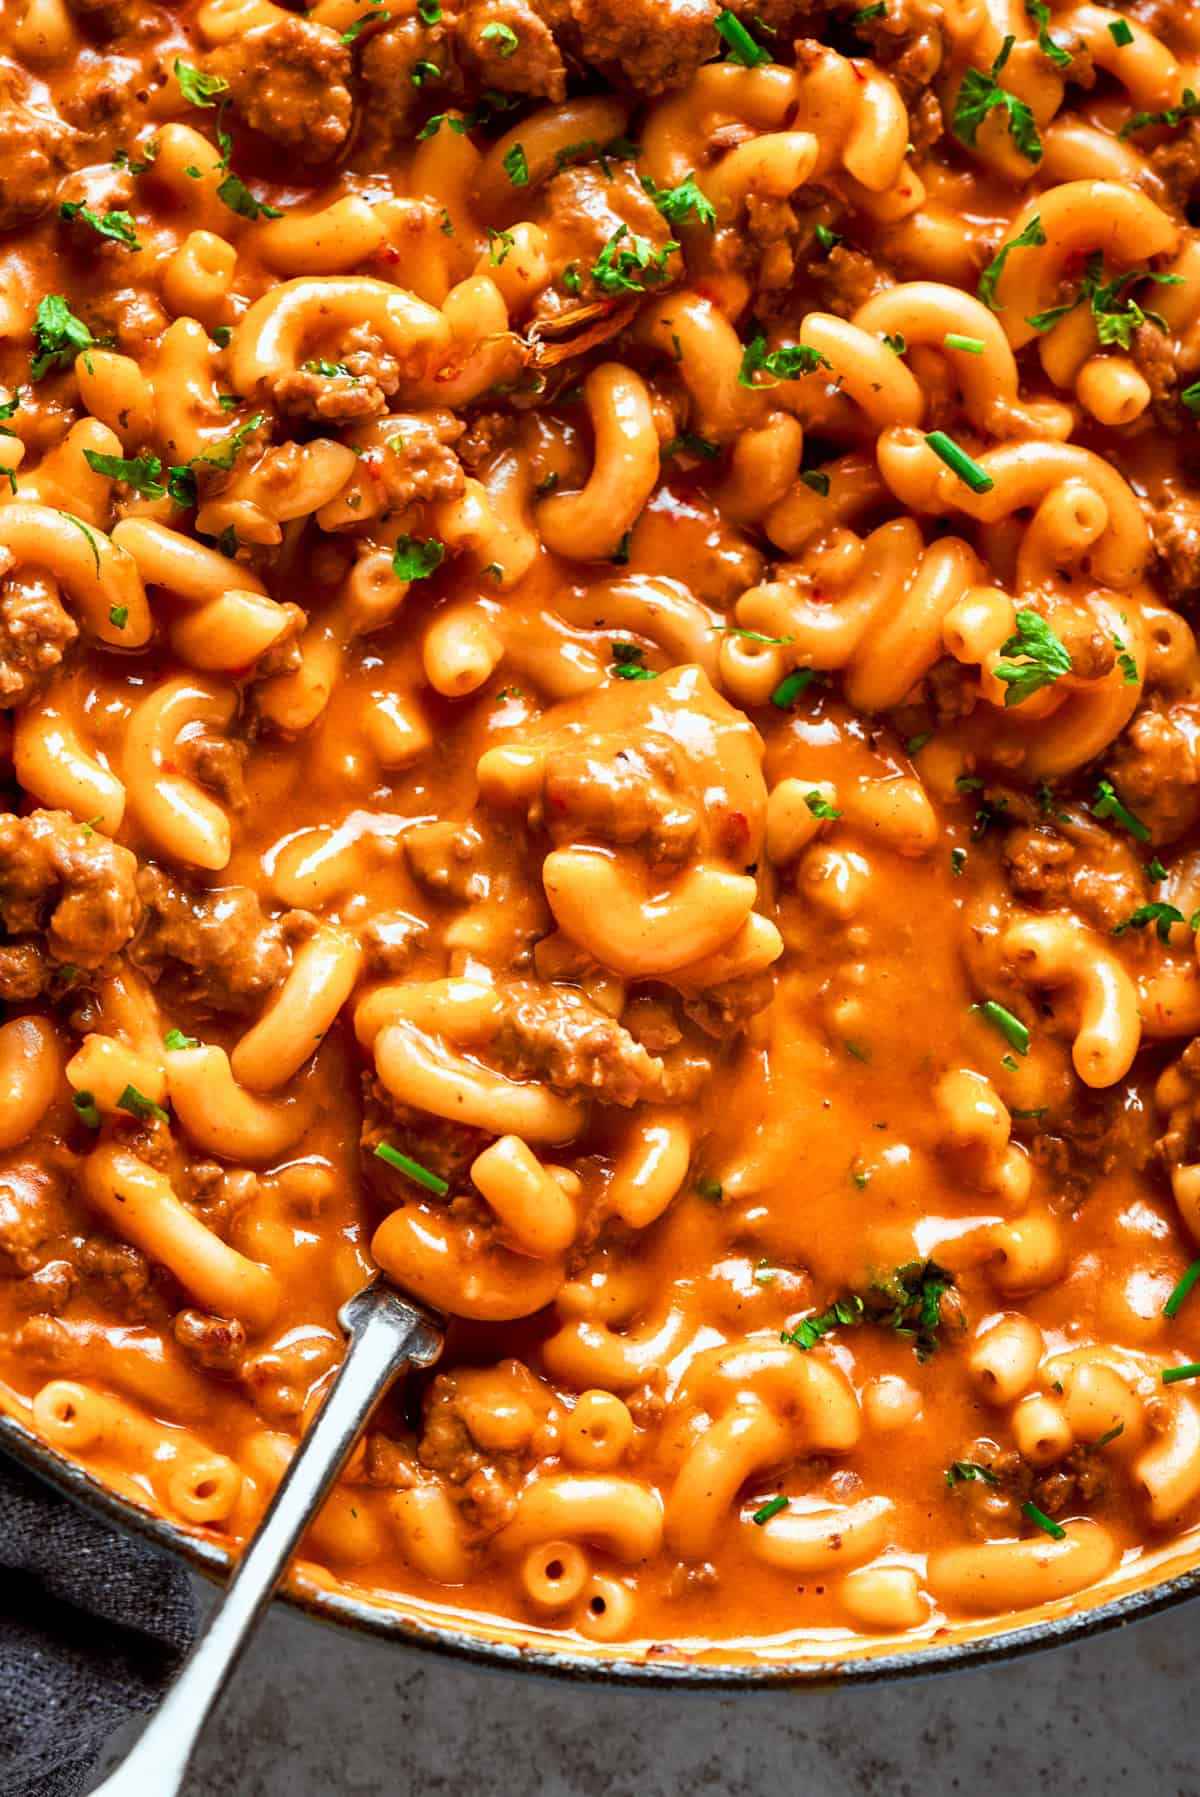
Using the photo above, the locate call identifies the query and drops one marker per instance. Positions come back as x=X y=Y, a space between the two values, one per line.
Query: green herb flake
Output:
x=516 y=167
x=141 y=1107
x=1171 y=116
x=118 y=616
x=793 y=684
x=981 y=94
x=58 y=336
x=963 y=1472
x=771 y=1508
x=432 y=1182
x=786 y=364
x=819 y=807
x=630 y=264
x=503 y=37
x=1175 y=1302
x=1120 y=33
x=827 y=239
x=1039 y=12
x=137 y=165
x=1160 y=915
x=1032 y=237
x=816 y=480
x=502 y=239
x=1107 y=804
x=429 y=11
x=1125 y=661
x=1155 y=871
x=1045 y=1523
x=197 y=87
x=118 y=226
x=970 y=346
x=959 y=462
x=376 y=17
x=958 y=860
x=86 y=1109
x=414 y=559
x=1010 y=1027
x=1172 y=1375
x=175 y=1040
x=738 y=41
x=678 y=204
x=1115 y=314
x=1044 y=659
x=142 y=473
x=688 y=443
x=627 y=662
x=711 y=1190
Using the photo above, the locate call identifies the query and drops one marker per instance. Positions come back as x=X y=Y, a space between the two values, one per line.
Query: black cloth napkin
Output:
x=93 y=1626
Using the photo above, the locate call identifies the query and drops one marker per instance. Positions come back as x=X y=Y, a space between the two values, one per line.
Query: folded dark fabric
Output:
x=93 y=1627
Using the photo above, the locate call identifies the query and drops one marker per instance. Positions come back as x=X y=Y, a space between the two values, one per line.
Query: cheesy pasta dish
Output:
x=600 y=714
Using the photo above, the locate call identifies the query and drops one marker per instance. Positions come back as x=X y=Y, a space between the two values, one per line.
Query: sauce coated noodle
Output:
x=603 y=716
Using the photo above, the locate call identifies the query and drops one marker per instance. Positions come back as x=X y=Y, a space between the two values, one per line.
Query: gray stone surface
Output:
x=319 y=1713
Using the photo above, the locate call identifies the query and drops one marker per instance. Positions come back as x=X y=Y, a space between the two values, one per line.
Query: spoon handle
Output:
x=386 y=1334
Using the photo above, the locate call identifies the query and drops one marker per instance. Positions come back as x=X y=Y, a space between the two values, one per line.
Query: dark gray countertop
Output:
x=320 y=1713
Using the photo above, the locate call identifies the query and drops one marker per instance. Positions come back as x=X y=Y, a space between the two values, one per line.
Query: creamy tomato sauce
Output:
x=601 y=715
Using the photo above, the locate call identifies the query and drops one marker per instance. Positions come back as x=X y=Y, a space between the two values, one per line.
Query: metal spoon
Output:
x=387 y=1334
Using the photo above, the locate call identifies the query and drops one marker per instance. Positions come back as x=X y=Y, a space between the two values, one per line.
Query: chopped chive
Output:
x=769 y=1509
x=1172 y=1306
x=1120 y=33
x=433 y=1182
x=175 y=1039
x=86 y=1109
x=141 y=1107
x=1171 y=1375
x=1048 y=1527
x=1010 y=1027
x=738 y=41
x=817 y=480
x=959 y=462
x=974 y=346
x=794 y=684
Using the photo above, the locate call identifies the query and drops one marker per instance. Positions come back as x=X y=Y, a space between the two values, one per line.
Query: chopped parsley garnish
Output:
x=571 y=279
x=738 y=41
x=1115 y=314
x=711 y=1190
x=678 y=204
x=505 y=239
x=1039 y=12
x=1010 y=1027
x=423 y=72
x=118 y=616
x=959 y=462
x=777 y=364
x=118 y=226
x=175 y=1039
x=620 y=555
x=1045 y=1523
x=981 y=94
x=629 y=263
x=1160 y=915
x=181 y=477
x=197 y=87
x=895 y=342
x=970 y=346
x=413 y=559
x=516 y=167
x=138 y=165
x=1107 y=804
x=376 y=17
x=429 y=11
x=908 y=1301
x=1155 y=871
x=58 y=336
x=819 y=807
x=914 y=744
x=751 y=636
x=1191 y=397
x=991 y=811
x=1043 y=659
x=503 y=36
x=1173 y=1304
x=627 y=660
x=1120 y=33
x=1125 y=662
x=688 y=443
x=816 y=480
x=432 y=1182
x=86 y=1109
x=793 y=684
x=141 y=1107
x=961 y=1472
x=827 y=239
x=233 y=192
x=866 y=13
x=771 y=1508
x=87 y=531
x=1030 y=238
x=1172 y=116
x=142 y=473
